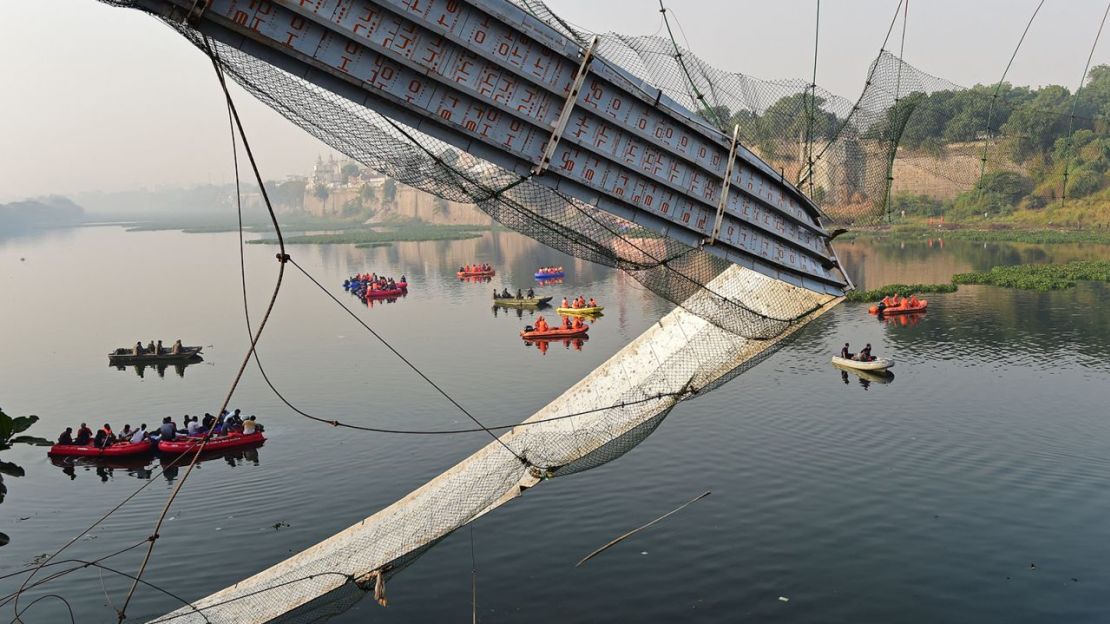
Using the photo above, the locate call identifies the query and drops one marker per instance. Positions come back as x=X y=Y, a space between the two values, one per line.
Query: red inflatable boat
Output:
x=217 y=443
x=554 y=333
x=384 y=294
x=119 y=449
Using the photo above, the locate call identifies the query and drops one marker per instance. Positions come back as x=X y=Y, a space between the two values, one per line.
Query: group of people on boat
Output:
x=579 y=302
x=541 y=324
x=864 y=354
x=373 y=281
x=169 y=430
x=156 y=349
x=549 y=270
x=476 y=268
x=896 y=301
x=505 y=294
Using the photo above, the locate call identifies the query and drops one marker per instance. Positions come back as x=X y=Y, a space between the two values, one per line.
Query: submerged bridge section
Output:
x=494 y=81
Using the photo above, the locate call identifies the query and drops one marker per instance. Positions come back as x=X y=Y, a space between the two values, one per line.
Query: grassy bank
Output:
x=387 y=234
x=1039 y=276
x=899 y=289
x=971 y=233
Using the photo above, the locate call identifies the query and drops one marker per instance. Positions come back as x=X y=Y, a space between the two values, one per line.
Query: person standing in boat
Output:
x=138 y=347
x=84 y=434
x=66 y=437
x=519 y=294
x=158 y=349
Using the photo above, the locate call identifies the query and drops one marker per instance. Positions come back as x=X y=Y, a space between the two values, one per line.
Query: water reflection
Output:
x=901 y=320
x=568 y=343
x=140 y=369
x=866 y=378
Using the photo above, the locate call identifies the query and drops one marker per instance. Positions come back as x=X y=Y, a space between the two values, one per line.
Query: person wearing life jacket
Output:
x=566 y=323
x=914 y=301
x=566 y=304
x=578 y=324
x=593 y=303
x=104 y=437
x=541 y=324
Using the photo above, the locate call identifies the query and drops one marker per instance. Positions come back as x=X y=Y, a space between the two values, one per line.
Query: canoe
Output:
x=476 y=273
x=383 y=294
x=594 y=311
x=554 y=333
x=547 y=276
x=128 y=357
x=877 y=364
x=902 y=309
x=119 y=449
x=527 y=302
x=217 y=443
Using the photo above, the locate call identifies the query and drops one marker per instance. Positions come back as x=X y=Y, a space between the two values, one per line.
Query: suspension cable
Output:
x=1075 y=102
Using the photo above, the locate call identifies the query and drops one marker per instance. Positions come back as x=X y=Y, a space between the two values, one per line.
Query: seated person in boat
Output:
x=158 y=348
x=138 y=350
x=914 y=301
x=139 y=435
x=844 y=353
x=541 y=324
x=66 y=437
x=578 y=324
x=126 y=434
x=104 y=437
x=84 y=435
x=168 y=429
x=505 y=294
x=865 y=354
x=593 y=303
x=566 y=322
x=176 y=349
x=404 y=279
x=531 y=293
x=207 y=422
x=150 y=349
x=566 y=304
x=519 y=294
x=193 y=428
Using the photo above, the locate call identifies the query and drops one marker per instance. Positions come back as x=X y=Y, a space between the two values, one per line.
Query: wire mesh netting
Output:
x=850 y=156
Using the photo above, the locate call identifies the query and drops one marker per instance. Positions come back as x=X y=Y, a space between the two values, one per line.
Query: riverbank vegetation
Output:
x=383 y=234
x=1039 y=276
x=899 y=289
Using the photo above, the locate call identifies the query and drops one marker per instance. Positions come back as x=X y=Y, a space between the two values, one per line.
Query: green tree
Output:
x=389 y=191
x=320 y=192
x=367 y=193
x=348 y=171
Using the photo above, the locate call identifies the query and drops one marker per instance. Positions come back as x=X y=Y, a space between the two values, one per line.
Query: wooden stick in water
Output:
x=638 y=529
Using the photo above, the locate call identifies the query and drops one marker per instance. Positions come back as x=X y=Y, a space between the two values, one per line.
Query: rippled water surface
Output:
x=972 y=487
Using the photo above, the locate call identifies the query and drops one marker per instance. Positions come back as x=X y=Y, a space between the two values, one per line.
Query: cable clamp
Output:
x=283 y=258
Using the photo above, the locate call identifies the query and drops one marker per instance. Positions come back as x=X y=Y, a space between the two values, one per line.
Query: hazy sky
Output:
x=98 y=98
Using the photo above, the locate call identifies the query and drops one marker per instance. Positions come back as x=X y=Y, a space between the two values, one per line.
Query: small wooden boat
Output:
x=216 y=443
x=526 y=302
x=594 y=311
x=127 y=356
x=119 y=449
x=878 y=364
x=922 y=304
x=530 y=333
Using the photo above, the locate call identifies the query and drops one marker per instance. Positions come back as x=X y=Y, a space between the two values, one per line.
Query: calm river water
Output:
x=974 y=487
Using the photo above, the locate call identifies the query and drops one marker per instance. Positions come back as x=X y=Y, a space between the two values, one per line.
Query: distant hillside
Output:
x=42 y=212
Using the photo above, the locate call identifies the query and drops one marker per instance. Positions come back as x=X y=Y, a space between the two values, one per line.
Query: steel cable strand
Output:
x=282 y=259
x=109 y=513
